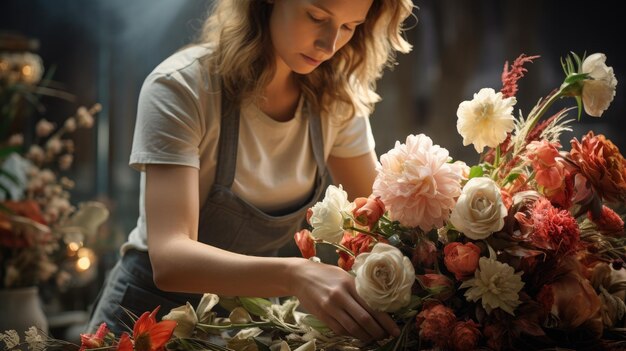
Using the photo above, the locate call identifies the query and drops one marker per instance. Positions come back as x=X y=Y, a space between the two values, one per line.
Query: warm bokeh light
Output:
x=73 y=246
x=83 y=264
x=27 y=70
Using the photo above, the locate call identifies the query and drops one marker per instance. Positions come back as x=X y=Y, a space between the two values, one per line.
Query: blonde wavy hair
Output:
x=343 y=86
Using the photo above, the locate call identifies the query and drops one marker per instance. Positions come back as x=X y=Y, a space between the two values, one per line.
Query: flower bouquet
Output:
x=38 y=223
x=521 y=251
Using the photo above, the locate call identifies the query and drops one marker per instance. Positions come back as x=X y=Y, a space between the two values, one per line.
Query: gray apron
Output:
x=226 y=221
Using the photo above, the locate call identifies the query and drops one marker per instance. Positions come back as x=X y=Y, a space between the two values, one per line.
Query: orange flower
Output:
x=125 y=343
x=601 y=162
x=305 y=243
x=461 y=259
x=368 y=210
x=357 y=244
x=148 y=334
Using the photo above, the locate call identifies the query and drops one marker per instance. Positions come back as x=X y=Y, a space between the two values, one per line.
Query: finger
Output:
x=365 y=320
x=382 y=318
x=352 y=326
x=334 y=325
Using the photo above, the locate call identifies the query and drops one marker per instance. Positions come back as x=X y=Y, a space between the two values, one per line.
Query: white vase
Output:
x=21 y=309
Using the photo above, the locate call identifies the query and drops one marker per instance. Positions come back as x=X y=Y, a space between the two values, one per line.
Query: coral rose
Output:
x=305 y=243
x=368 y=210
x=461 y=259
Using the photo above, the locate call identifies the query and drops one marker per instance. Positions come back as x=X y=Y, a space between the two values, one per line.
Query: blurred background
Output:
x=103 y=49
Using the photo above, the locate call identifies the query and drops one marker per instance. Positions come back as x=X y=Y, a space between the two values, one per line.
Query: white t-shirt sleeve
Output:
x=168 y=128
x=354 y=138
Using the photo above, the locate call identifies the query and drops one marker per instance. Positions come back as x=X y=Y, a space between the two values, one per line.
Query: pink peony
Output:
x=417 y=184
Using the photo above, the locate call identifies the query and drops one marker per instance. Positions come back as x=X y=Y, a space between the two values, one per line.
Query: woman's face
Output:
x=306 y=33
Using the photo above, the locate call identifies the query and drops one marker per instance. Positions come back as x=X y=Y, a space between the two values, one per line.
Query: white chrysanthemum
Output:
x=384 y=278
x=327 y=215
x=417 y=184
x=599 y=91
x=496 y=284
x=485 y=120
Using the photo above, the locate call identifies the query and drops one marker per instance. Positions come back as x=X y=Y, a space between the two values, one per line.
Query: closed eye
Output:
x=314 y=19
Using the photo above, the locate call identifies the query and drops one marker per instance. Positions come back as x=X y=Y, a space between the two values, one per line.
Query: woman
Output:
x=234 y=137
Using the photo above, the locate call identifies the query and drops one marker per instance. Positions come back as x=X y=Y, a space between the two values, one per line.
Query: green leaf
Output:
x=256 y=305
x=476 y=171
x=574 y=78
x=510 y=178
x=315 y=323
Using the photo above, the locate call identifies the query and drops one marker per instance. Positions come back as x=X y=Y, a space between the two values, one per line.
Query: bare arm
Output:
x=181 y=263
x=355 y=174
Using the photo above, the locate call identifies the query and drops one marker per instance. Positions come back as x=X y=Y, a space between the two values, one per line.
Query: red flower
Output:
x=125 y=343
x=465 y=336
x=150 y=335
x=424 y=254
x=305 y=243
x=92 y=341
x=435 y=323
x=368 y=210
x=512 y=75
x=602 y=163
x=549 y=228
x=357 y=244
x=439 y=285
x=461 y=259
x=30 y=211
x=609 y=222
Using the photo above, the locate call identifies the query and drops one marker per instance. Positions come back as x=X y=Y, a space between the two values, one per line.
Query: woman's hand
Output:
x=329 y=293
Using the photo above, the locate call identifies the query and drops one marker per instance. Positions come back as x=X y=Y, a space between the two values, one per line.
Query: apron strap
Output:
x=227 y=144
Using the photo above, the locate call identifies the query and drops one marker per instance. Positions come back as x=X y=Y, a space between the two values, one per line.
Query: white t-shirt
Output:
x=178 y=122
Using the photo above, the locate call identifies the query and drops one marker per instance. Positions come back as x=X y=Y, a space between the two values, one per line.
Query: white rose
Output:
x=479 y=211
x=186 y=319
x=486 y=119
x=328 y=215
x=599 y=91
x=384 y=278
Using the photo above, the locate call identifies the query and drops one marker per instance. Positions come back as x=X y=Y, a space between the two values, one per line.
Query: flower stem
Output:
x=234 y=326
x=544 y=107
x=340 y=247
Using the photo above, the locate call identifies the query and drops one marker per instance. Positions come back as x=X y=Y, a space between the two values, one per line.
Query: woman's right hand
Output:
x=329 y=293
